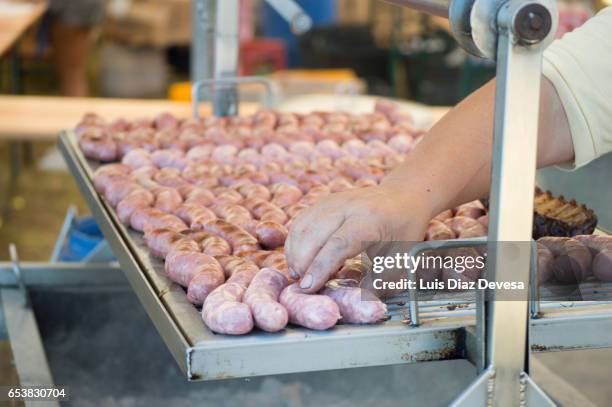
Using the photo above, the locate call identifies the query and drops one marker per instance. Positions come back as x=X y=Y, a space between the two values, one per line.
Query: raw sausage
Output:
x=262 y=296
x=313 y=311
x=223 y=312
x=356 y=305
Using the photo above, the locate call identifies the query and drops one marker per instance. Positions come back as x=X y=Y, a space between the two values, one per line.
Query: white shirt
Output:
x=579 y=65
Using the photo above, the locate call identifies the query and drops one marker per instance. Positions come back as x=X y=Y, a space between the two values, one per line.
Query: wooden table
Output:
x=42 y=118
x=12 y=27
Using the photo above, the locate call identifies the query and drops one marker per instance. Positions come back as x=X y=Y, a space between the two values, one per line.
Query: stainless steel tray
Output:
x=203 y=355
x=444 y=331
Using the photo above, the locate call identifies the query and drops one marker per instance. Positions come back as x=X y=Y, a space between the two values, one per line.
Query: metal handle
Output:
x=18 y=276
x=228 y=83
x=413 y=298
x=299 y=21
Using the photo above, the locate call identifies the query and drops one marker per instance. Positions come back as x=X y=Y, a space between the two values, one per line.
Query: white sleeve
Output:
x=580 y=68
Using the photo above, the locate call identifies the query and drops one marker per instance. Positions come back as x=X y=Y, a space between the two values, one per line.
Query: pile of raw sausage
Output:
x=573 y=260
x=465 y=221
x=215 y=198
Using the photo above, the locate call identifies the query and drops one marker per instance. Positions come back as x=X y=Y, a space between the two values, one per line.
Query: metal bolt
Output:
x=532 y=23
x=535 y=21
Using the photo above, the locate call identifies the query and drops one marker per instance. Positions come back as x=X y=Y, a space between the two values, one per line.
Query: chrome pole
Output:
x=202 y=39
x=226 y=52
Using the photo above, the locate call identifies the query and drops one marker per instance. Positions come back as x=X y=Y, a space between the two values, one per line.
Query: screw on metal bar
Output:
x=532 y=23
x=491 y=389
x=523 y=390
x=18 y=276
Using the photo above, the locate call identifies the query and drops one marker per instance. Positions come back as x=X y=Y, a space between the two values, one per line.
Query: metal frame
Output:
x=228 y=83
x=406 y=337
x=514 y=33
x=216 y=46
x=26 y=346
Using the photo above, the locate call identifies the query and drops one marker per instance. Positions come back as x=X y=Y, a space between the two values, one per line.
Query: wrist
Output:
x=419 y=199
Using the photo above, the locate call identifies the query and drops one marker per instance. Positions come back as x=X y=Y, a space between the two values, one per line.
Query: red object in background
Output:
x=572 y=17
x=262 y=56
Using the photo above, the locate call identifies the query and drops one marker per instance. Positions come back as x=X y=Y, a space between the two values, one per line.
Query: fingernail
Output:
x=306 y=281
x=294 y=274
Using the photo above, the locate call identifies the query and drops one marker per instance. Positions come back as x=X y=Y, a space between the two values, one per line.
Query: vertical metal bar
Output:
x=61 y=238
x=226 y=51
x=511 y=208
x=202 y=40
x=26 y=345
x=413 y=300
x=534 y=286
x=480 y=359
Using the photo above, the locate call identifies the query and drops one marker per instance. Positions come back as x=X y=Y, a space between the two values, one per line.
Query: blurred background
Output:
x=61 y=58
x=140 y=49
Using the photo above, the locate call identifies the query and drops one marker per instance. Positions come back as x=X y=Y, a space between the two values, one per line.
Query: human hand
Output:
x=344 y=224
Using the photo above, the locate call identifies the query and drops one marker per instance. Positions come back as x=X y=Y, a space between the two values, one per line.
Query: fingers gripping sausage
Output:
x=262 y=296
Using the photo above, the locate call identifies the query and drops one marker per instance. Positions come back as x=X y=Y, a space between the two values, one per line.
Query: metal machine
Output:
x=216 y=47
x=514 y=33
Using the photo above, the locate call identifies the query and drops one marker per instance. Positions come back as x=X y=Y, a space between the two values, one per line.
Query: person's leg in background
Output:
x=71 y=48
x=72 y=23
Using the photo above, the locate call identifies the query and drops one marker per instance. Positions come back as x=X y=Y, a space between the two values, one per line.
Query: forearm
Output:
x=452 y=165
